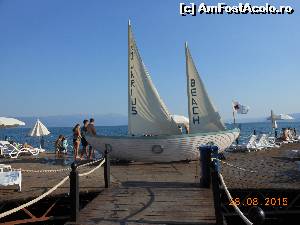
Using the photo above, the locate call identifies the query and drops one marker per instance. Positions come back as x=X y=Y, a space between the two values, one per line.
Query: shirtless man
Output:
x=91 y=130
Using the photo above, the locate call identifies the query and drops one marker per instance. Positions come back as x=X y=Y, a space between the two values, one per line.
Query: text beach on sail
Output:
x=153 y=135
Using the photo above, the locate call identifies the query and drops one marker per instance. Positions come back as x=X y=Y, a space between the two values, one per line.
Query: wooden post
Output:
x=74 y=193
x=205 y=158
x=107 y=166
x=216 y=186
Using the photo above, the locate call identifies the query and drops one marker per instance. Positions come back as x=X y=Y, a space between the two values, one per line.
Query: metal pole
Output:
x=74 y=193
x=107 y=165
x=216 y=186
x=233 y=113
x=205 y=158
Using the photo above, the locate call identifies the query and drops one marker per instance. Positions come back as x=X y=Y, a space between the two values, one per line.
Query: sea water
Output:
x=20 y=135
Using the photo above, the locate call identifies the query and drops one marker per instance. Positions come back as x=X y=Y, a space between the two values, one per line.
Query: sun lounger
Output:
x=264 y=142
x=250 y=145
x=13 y=151
x=9 y=177
x=290 y=140
x=5 y=168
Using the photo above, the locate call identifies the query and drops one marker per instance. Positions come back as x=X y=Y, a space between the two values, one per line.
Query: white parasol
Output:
x=10 y=122
x=179 y=119
x=39 y=130
x=281 y=117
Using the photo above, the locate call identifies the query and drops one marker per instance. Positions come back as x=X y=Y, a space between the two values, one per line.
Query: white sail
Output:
x=147 y=114
x=203 y=116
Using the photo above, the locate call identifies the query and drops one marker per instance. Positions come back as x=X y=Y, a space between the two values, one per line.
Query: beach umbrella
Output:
x=10 y=122
x=281 y=117
x=39 y=130
x=179 y=119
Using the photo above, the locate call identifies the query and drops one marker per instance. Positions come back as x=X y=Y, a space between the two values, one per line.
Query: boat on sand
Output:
x=153 y=135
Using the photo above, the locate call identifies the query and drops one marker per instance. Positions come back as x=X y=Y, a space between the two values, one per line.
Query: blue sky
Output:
x=70 y=57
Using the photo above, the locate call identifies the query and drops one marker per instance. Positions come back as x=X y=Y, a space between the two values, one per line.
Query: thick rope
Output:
x=90 y=163
x=52 y=189
x=89 y=172
x=45 y=171
x=237 y=167
x=231 y=165
x=34 y=200
x=239 y=212
x=57 y=170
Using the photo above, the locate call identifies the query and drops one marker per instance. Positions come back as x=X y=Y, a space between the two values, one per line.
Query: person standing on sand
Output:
x=76 y=140
x=92 y=131
x=64 y=145
x=58 y=145
x=84 y=143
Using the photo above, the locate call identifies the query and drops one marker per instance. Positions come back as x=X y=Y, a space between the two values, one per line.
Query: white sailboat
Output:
x=153 y=135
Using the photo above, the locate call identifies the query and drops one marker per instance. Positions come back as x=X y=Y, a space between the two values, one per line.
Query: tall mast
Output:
x=129 y=97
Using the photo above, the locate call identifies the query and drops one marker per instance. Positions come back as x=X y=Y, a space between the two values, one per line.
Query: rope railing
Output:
x=211 y=170
x=91 y=171
x=45 y=171
x=239 y=212
x=89 y=163
x=33 y=201
x=234 y=166
x=240 y=168
x=57 y=170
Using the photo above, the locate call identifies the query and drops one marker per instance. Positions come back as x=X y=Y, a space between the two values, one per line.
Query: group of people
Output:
x=61 y=145
x=79 y=136
x=184 y=129
x=289 y=134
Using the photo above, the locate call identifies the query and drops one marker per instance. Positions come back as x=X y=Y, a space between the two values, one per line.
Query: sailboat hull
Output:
x=164 y=148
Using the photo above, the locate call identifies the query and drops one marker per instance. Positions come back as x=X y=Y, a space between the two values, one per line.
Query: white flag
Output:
x=240 y=109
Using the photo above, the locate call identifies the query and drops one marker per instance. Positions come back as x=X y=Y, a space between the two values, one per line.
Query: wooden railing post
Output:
x=216 y=186
x=205 y=158
x=74 y=193
x=107 y=165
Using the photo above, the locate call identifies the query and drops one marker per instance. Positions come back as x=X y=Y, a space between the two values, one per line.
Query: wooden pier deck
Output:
x=156 y=193
x=170 y=193
x=152 y=194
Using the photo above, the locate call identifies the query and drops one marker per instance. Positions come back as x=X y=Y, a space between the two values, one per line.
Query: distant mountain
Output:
x=248 y=120
x=114 y=119
x=71 y=120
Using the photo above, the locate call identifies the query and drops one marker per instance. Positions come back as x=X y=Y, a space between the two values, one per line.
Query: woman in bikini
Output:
x=76 y=140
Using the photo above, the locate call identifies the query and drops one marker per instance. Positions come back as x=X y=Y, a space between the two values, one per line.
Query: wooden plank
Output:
x=169 y=195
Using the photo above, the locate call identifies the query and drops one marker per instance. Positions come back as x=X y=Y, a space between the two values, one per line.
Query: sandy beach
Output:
x=271 y=169
x=275 y=168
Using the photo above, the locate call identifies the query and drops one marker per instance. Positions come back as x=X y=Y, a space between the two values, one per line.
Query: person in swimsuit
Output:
x=92 y=131
x=76 y=140
x=58 y=145
x=84 y=142
x=64 y=145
